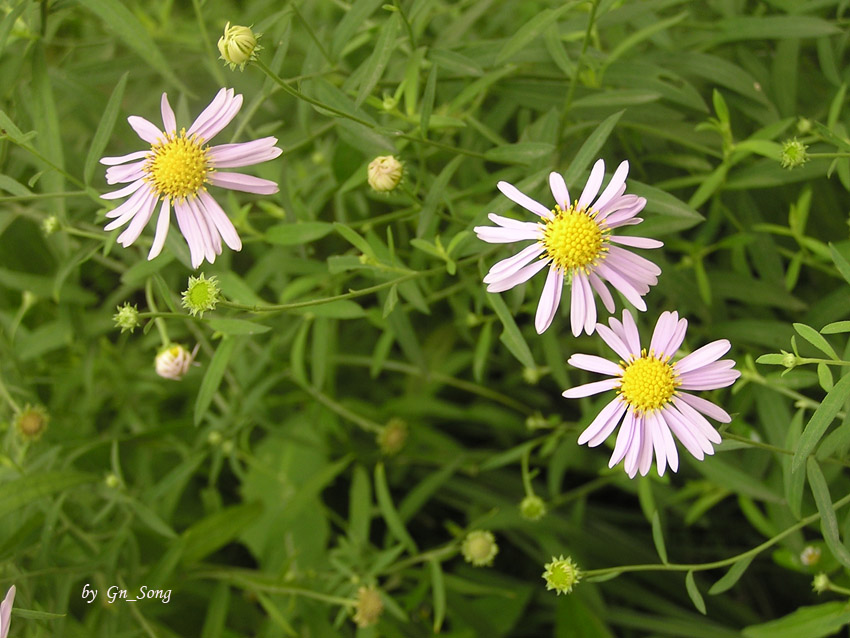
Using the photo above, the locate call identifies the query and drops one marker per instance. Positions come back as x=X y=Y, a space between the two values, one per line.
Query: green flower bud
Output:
x=238 y=46
x=821 y=583
x=793 y=154
x=392 y=437
x=201 y=295
x=479 y=548
x=127 y=317
x=31 y=422
x=369 y=607
x=532 y=508
x=561 y=574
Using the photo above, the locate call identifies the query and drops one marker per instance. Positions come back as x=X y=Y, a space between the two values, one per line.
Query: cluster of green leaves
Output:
x=361 y=402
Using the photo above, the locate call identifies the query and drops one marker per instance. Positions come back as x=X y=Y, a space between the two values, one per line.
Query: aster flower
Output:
x=649 y=394
x=575 y=241
x=176 y=171
x=174 y=361
x=6 y=612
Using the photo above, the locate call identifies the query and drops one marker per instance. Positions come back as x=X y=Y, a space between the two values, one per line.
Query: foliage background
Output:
x=255 y=488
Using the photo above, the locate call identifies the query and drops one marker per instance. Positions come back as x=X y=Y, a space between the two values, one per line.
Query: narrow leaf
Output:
x=828 y=520
x=816 y=339
x=438 y=592
x=380 y=56
x=728 y=580
x=822 y=417
x=589 y=150
x=658 y=537
x=388 y=511
x=693 y=592
x=104 y=128
x=213 y=376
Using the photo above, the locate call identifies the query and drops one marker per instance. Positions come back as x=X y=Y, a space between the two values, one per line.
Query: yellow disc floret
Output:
x=574 y=239
x=179 y=166
x=648 y=383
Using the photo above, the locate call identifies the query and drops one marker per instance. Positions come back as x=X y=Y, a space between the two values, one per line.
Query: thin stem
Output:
x=682 y=567
x=25 y=198
x=312 y=34
x=205 y=38
x=8 y=397
x=341 y=410
x=159 y=322
x=568 y=101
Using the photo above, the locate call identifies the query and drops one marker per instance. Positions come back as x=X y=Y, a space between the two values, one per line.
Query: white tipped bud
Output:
x=238 y=46
x=174 y=362
x=384 y=173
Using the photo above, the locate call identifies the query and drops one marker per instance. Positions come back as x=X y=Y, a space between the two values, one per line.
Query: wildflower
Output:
x=127 y=317
x=561 y=574
x=238 y=46
x=369 y=607
x=479 y=548
x=384 y=173
x=392 y=437
x=31 y=422
x=173 y=362
x=532 y=508
x=649 y=393
x=176 y=170
x=793 y=153
x=6 y=612
x=201 y=295
x=575 y=241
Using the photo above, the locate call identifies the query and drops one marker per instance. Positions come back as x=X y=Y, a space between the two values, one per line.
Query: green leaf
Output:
x=816 y=339
x=530 y=30
x=355 y=239
x=391 y=300
x=828 y=520
x=380 y=56
x=658 y=537
x=825 y=377
x=511 y=335
x=13 y=186
x=388 y=511
x=455 y=62
x=591 y=147
x=237 y=326
x=773 y=27
x=339 y=309
x=23 y=491
x=693 y=592
x=428 y=101
x=353 y=20
x=836 y=327
x=520 y=153
x=118 y=18
x=212 y=377
x=728 y=580
x=297 y=234
x=438 y=593
x=773 y=359
x=482 y=351
x=822 y=417
x=436 y=195
x=104 y=128
x=359 y=506
x=215 y=531
x=816 y=621
x=842 y=264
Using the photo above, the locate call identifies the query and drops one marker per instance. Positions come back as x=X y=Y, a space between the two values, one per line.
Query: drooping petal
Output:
x=620 y=283
x=589 y=389
x=697 y=421
x=125 y=173
x=509 y=266
x=126 y=211
x=635 y=242
x=658 y=443
x=169 y=122
x=706 y=407
x=702 y=381
x=597 y=174
x=515 y=195
x=624 y=438
x=162 y=224
x=577 y=308
x=140 y=220
x=549 y=300
x=640 y=266
x=604 y=423
x=146 y=130
x=602 y=290
x=197 y=218
x=221 y=220
x=498 y=235
x=123 y=192
x=507 y=222
x=695 y=443
x=520 y=276
x=190 y=233
x=559 y=190
x=246 y=183
x=647 y=445
x=589 y=302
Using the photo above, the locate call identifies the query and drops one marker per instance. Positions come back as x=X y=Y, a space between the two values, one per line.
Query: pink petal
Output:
x=169 y=122
x=640 y=266
x=617 y=202
x=144 y=129
x=244 y=154
x=126 y=173
x=617 y=182
x=162 y=224
x=114 y=161
x=577 y=308
x=197 y=217
x=190 y=233
x=658 y=443
x=139 y=222
x=621 y=284
x=214 y=109
x=559 y=190
x=520 y=276
x=669 y=444
x=592 y=363
x=216 y=124
x=509 y=266
x=497 y=235
x=697 y=420
x=706 y=407
x=514 y=194
x=589 y=302
x=630 y=330
x=602 y=291
x=624 y=438
x=635 y=242
x=6 y=611
x=614 y=342
x=123 y=192
x=647 y=444
x=222 y=222
x=246 y=183
x=702 y=381
x=589 y=389
x=694 y=443
x=549 y=300
x=604 y=423
x=621 y=216
x=703 y=356
x=507 y=222
x=597 y=173
x=126 y=211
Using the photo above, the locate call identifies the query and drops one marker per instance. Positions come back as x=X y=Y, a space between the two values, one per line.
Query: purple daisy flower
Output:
x=6 y=612
x=575 y=241
x=177 y=169
x=649 y=394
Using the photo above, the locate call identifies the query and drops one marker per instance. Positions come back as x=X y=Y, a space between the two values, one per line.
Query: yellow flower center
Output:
x=179 y=166
x=648 y=383
x=574 y=239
